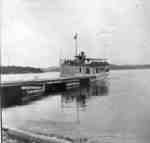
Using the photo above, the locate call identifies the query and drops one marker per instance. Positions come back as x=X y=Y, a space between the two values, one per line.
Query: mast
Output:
x=76 y=43
x=60 y=55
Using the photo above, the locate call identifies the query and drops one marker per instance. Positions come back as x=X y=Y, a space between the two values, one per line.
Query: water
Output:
x=114 y=111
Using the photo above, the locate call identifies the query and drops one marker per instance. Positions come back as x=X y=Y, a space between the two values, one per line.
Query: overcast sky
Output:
x=38 y=32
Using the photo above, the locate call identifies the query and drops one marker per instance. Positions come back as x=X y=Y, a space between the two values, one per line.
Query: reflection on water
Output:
x=77 y=98
x=82 y=94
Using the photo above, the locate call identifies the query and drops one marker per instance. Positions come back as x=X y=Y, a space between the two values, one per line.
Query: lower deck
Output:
x=70 y=70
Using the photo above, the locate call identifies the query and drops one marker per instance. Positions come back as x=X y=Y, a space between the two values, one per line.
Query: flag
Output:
x=75 y=36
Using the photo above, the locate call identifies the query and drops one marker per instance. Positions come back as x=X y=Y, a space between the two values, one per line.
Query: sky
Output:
x=40 y=32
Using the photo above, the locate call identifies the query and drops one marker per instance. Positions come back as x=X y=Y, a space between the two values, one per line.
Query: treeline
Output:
x=18 y=69
x=121 y=67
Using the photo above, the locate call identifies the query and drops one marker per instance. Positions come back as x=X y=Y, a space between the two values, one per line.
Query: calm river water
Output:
x=116 y=110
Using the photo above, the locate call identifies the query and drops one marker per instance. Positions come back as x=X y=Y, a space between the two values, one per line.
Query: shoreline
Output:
x=114 y=69
x=30 y=70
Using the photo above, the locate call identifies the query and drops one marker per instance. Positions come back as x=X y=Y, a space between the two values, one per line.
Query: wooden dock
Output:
x=13 y=92
x=47 y=81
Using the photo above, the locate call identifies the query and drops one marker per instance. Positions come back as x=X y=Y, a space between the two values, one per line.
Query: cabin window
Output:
x=87 y=70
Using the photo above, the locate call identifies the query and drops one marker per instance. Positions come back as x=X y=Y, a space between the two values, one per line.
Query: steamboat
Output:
x=82 y=65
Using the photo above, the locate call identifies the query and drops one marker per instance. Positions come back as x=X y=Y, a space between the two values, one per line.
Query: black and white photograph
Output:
x=75 y=71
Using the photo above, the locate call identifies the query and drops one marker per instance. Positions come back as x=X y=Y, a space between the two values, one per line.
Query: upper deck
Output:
x=82 y=60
